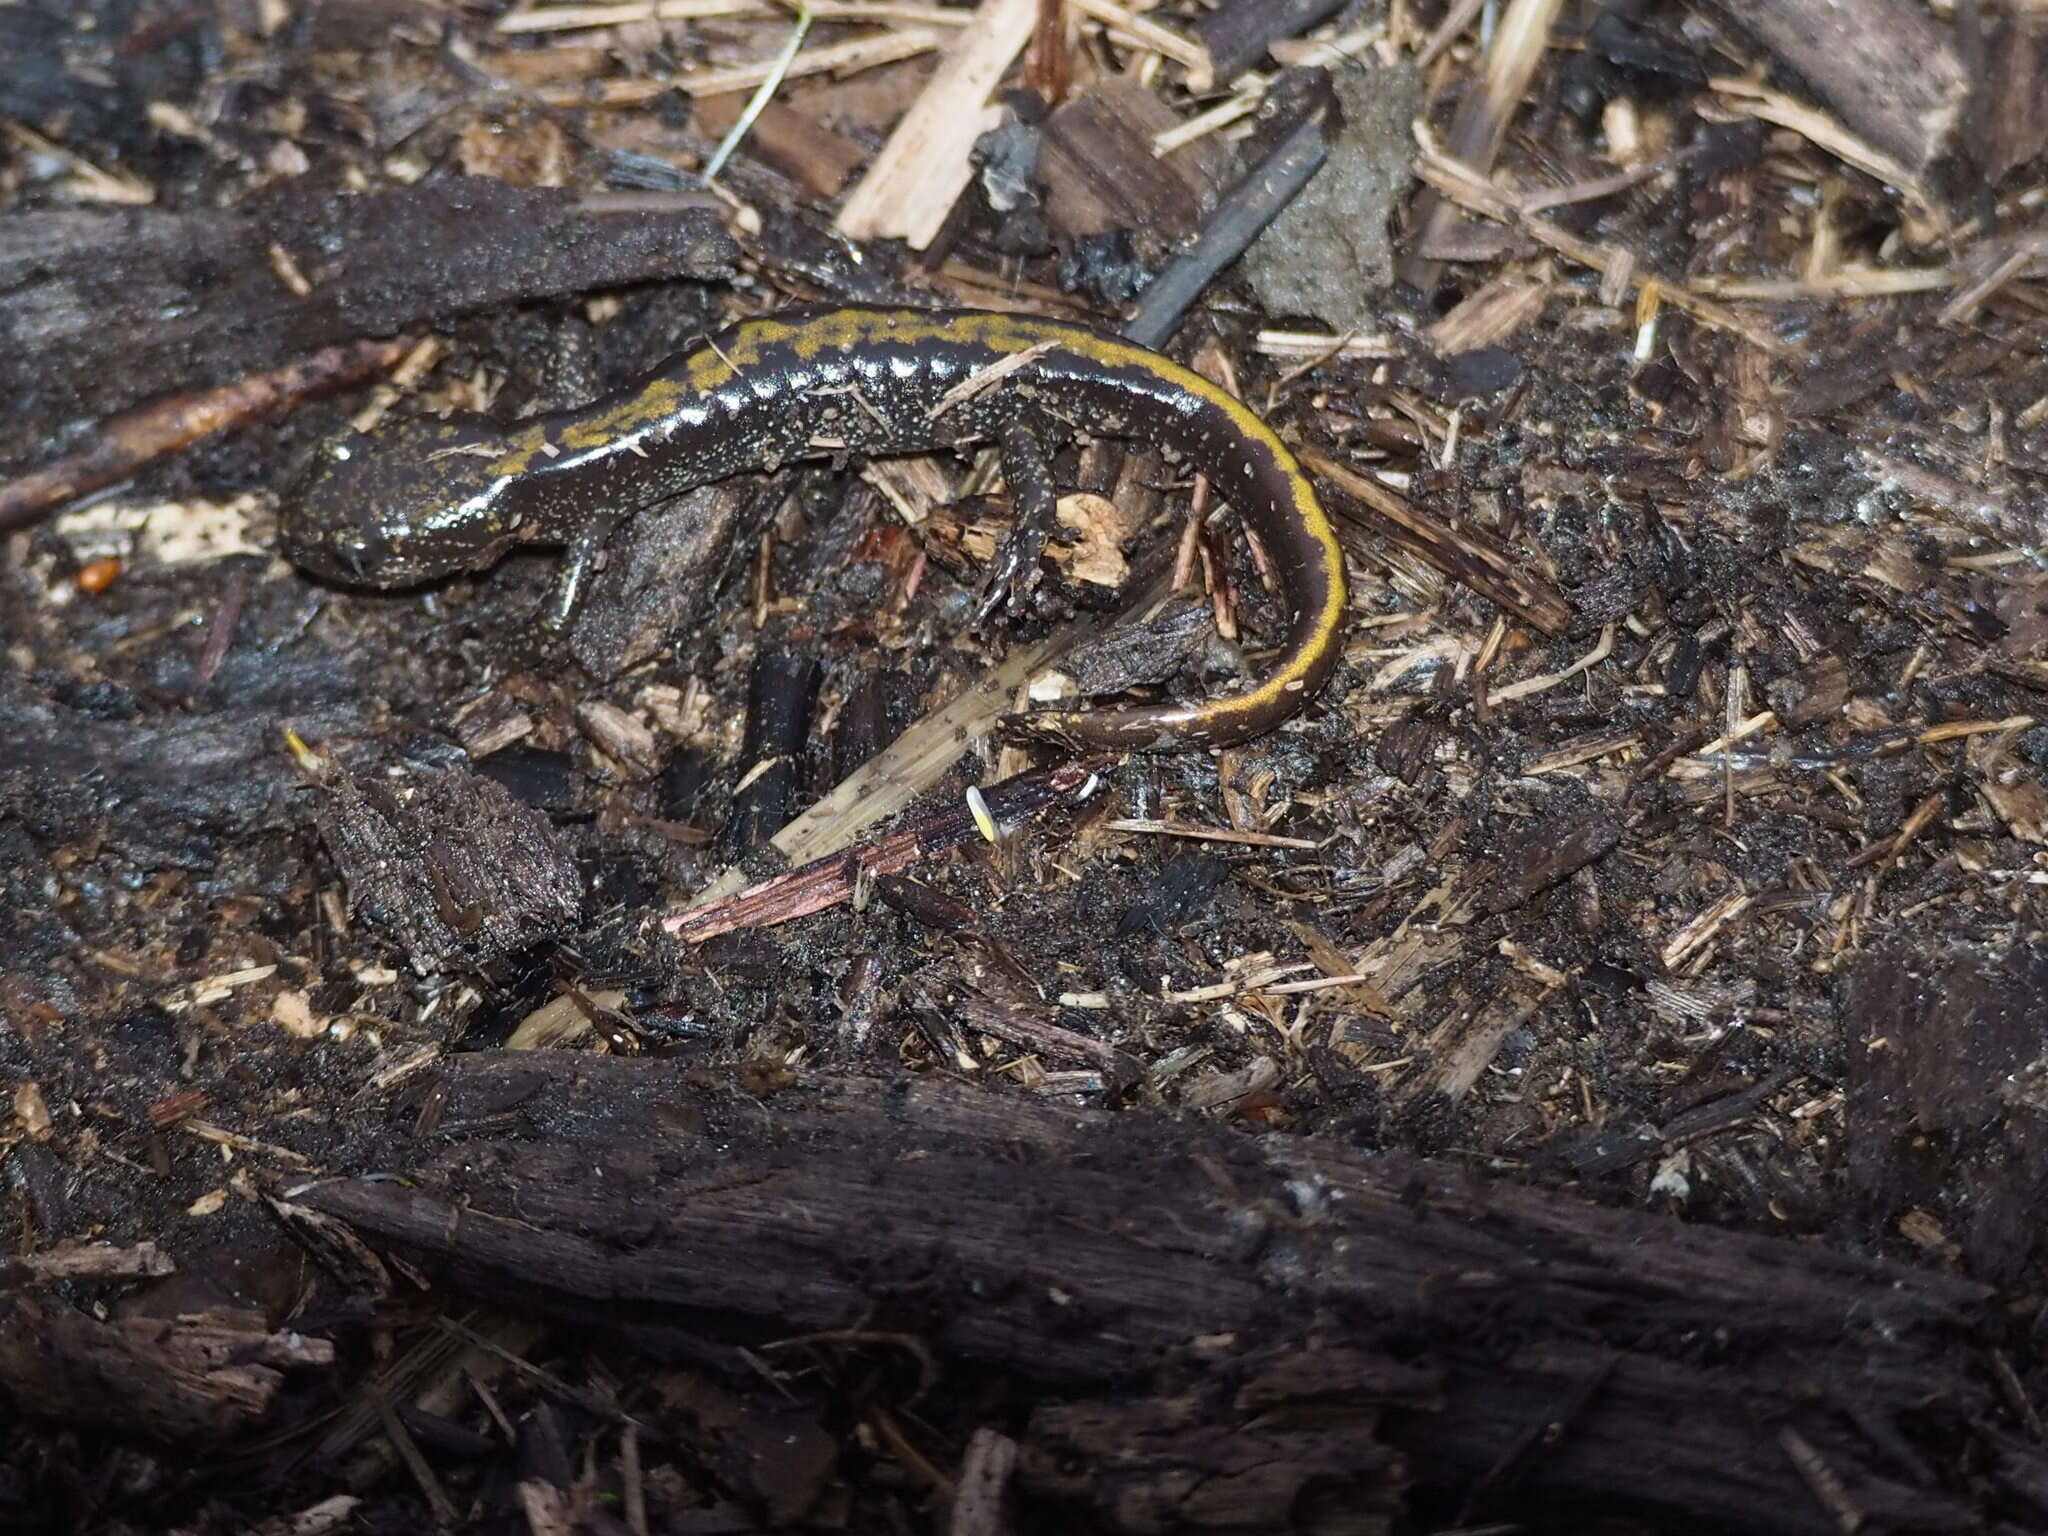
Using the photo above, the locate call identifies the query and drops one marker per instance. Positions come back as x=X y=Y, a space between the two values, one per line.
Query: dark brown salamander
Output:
x=430 y=498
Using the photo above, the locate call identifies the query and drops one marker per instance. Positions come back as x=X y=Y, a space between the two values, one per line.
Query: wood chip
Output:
x=924 y=167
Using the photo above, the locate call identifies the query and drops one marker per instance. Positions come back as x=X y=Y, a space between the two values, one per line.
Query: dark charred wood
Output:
x=1215 y=1461
x=1167 y=644
x=450 y=865
x=779 y=702
x=864 y=726
x=1177 y=1276
x=1942 y=1051
x=1816 y=692
x=196 y=1378
x=1610 y=1149
x=661 y=572
x=1551 y=852
x=181 y=784
x=103 y=308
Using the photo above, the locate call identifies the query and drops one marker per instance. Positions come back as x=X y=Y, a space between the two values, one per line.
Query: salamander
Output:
x=423 y=499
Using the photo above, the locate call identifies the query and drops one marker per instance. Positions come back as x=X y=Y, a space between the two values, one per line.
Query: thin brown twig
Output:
x=125 y=443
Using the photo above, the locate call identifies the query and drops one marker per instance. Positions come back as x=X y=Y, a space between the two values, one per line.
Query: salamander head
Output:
x=406 y=504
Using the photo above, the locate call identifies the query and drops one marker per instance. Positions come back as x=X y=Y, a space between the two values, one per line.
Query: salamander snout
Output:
x=402 y=505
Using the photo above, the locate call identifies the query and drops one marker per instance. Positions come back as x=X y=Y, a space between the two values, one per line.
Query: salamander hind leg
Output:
x=1013 y=571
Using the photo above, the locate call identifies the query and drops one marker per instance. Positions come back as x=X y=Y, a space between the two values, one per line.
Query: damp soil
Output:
x=1666 y=856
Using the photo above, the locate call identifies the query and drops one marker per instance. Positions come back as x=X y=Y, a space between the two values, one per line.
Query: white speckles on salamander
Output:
x=427 y=499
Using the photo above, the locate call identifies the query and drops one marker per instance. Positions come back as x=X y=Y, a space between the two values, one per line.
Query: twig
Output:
x=762 y=96
x=1696 y=934
x=1534 y=685
x=1448 y=31
x=830 y=880
x=1822 y=131
x=1136 y=30
x=834 y=58
x=1854 y=281
x=408 y=1450
x=1461 y=553
x=1208 y=834
x=572 y=18
x=1244 y=212
x=1483 y=116
x=125 y=443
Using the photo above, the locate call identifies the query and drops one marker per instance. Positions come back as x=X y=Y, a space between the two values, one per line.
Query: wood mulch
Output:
x=1588 y=1071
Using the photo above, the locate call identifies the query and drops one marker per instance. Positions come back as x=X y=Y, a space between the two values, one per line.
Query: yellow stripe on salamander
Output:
x=1003 y=333
x=1326 y=624
x=849 y=329
x=1014 y=332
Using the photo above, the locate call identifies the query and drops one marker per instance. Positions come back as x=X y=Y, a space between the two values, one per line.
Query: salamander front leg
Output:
x=579 y=564
x=1013 y=572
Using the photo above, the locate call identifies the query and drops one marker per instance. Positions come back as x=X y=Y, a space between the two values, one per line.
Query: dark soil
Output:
x=1671 y=843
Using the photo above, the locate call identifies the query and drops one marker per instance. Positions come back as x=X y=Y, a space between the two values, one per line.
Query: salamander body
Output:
x=428 y=498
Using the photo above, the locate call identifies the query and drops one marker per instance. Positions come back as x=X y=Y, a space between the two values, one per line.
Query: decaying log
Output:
x=181 y=785
x=1200 y=1287
x=1945 y=1049
x=194 y=1378
x=102 y=308
x=662 y=569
